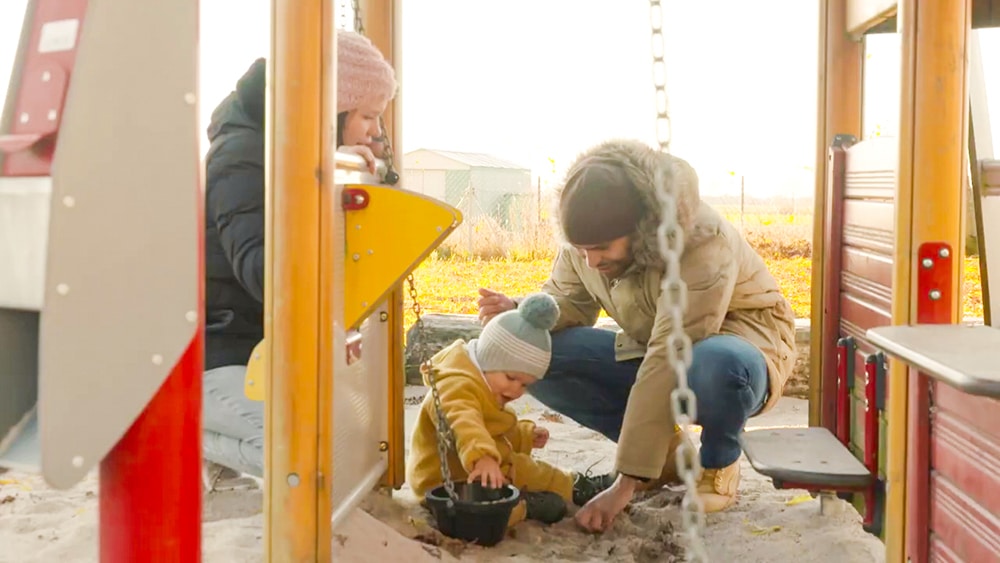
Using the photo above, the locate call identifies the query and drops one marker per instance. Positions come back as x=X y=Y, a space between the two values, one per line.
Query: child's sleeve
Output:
x=525 y=436
x=465 y=415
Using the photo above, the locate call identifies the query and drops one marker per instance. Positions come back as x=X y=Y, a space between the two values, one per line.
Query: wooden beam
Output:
x=299 y=149
x=929 y=209
x=839 y=112
x=383 y=25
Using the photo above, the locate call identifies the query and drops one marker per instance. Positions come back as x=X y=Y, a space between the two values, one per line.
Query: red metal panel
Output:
x=934 y=296
x=966 y=456
x=42 y=87
x=941 y=553
x=833 y=236
x=150 y=483
x=863 y=314
x=959 y=522
x=980 y=413
x=874 y=267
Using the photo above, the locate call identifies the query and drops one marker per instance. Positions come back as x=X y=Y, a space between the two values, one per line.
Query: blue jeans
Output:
x=584 y=382
x=232 y=424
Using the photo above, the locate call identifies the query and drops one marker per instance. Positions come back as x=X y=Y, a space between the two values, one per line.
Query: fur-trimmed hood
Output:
x=641 y=163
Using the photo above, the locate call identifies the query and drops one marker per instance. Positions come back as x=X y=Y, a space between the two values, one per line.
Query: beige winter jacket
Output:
x=730 y=291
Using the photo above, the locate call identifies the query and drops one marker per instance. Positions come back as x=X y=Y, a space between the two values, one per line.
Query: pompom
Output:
x=539 y=310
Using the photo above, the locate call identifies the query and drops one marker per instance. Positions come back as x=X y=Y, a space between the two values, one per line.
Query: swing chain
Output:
x=671 y=244
x=359 y=26
x=391 y=176
x=445 y=435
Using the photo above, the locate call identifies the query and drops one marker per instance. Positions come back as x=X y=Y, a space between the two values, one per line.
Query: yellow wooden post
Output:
x=839 y=112
x=383 y=24
x=297 y=456
x=929 y=198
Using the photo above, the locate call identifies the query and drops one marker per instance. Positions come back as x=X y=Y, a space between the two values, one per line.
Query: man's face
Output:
x=611 y=258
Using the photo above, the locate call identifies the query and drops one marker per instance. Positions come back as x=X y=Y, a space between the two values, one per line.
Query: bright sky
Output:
x=530 y=80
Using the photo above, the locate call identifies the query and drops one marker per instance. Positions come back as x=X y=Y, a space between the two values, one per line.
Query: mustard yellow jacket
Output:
x=482 y=428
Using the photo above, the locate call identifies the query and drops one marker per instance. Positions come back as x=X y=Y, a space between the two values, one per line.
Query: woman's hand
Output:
x=487 y=470
x=364 y=152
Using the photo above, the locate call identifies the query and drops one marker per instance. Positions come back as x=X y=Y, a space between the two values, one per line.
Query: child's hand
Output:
x=487 y=470
x=541 y=437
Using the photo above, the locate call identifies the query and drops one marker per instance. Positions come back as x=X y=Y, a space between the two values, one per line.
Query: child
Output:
x=475 y=381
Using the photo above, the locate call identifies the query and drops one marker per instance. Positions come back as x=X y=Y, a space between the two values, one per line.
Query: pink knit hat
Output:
x=363 y=74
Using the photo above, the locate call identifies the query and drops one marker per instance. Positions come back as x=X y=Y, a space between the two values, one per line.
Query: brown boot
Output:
x=718 y=487
x=668 y=476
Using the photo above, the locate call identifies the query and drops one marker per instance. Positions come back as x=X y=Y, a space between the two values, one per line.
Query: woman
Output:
x=233 y=426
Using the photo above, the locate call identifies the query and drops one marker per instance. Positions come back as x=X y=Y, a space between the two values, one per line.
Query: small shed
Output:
x=478 y=184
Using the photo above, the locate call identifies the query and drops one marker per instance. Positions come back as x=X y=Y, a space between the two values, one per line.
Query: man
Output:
x=619 y=384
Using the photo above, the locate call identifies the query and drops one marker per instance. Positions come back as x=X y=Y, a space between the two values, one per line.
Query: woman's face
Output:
x=361 y=125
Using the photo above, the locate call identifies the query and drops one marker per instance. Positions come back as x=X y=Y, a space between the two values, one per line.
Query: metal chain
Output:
x=671 y=243
x=391 y=176
x=359 y=26
x=445 y=435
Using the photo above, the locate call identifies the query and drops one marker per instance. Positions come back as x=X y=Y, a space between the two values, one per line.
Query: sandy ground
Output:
x=39 y=524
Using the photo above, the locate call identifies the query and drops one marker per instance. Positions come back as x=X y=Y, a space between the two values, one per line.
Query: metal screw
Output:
x=157 y=359
x=52 y=115
x=190 y=98
x=383 y=446
x=68 y=201
x=356 y=256
x=62 y=289
x=250 y=382
x=24 y=118
x=370 y=252
x=927 y=262
x=46 y=76
x=944 y=253
x=191 y=316
x=383 y=316
x=293 y=479
x=935 y=294
x=77 y=461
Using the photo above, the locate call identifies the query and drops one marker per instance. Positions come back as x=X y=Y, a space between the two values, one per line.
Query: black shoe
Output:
x=546 y=507
x=588 y=486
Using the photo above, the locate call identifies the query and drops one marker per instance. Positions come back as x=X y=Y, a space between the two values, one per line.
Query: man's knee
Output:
x=726 y=361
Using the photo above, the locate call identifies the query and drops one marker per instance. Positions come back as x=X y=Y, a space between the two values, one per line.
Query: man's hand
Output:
x=487 y=470
x=599 y=514
x=540 y=437
x=492 y=303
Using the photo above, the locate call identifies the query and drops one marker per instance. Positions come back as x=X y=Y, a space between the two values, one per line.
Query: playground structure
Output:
x=903 y=404
x=330 y=367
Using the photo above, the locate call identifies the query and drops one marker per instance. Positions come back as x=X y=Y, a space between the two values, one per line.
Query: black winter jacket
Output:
x=234 y=224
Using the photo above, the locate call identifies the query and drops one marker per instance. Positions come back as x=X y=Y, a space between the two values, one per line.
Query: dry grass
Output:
x=520 y=263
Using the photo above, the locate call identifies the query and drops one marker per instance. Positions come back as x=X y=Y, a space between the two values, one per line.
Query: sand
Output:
x=40 y=524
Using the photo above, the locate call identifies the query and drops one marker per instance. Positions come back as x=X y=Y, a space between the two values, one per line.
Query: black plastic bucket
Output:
x=479 y=516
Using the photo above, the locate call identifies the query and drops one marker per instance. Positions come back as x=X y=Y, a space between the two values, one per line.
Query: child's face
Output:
x=508 y=385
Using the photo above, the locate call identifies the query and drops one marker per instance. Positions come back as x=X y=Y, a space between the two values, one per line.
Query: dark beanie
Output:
x=599 y=204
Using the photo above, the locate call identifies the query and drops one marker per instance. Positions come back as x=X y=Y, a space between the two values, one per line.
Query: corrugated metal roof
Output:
x=477 y=160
